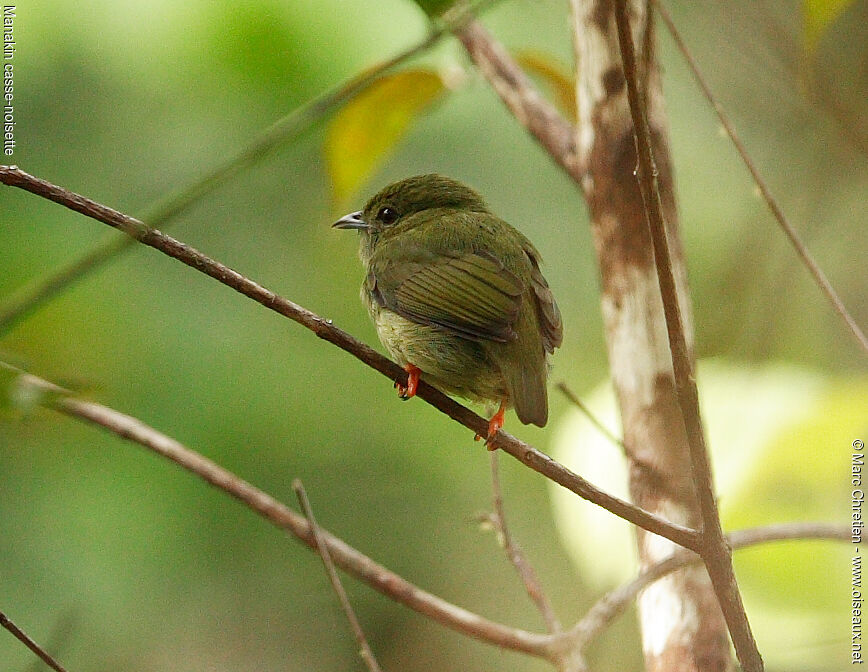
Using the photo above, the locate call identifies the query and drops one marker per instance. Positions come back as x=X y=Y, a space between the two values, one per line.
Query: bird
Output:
x=457 y=296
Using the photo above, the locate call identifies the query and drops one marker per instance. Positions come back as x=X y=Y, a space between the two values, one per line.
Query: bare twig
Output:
x=614 y=603
x=530 y=108
x=364 y=648
x=788 y=229
x=647 y=52
x=22 y=637
x=714 y=550
x=516 y=555
x=280 y=515
x=555 y=647
x=574 y=399
x=292 y=126
x=525 y=453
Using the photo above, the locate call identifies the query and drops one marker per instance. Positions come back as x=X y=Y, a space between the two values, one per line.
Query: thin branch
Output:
x=346 y=557
x=525 y=453
x=647 y=52
x=516 y=555
x=562 y=646
x=286 y=129
x=714 y=550
x=364 y=648
x=521 y=97
x=614 y=603
x=788 y=229
x=22 y=637
x=574 y=399
x=57 y=639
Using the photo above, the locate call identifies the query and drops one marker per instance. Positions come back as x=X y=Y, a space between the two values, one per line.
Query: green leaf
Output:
x=817 y=16
x=365 y=130
x=435 y=8
x=555 y=76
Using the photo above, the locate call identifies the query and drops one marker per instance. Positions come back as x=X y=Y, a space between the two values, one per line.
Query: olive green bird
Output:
x=457 y=296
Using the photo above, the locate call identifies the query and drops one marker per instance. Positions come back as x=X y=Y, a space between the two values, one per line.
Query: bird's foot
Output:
x=494 y=426
x=413 y=373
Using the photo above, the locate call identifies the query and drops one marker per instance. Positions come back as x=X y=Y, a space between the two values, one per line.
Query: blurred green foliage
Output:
x=781 y=440
x=128 y=563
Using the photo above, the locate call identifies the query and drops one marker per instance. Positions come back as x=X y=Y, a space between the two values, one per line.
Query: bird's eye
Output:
x=387 y=215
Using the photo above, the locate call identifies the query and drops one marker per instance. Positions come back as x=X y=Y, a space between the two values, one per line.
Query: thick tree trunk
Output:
x=682 y=625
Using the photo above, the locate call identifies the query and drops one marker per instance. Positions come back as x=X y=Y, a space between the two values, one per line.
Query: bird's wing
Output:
x=549 y=314
x=471 y=294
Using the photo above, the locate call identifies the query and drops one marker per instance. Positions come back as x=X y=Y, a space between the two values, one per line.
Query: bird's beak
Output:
x=352 y=221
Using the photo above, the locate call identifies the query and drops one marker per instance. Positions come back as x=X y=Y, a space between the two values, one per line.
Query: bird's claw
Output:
x=409 y=390
x=494 y=426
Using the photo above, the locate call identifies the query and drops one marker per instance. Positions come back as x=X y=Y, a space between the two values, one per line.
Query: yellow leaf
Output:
x=817 y=15
x=555 y=76
x=364 y=131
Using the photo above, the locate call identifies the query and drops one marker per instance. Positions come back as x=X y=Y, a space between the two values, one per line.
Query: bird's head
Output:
x=395 y=204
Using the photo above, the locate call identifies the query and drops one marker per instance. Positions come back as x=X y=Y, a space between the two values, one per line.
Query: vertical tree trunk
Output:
x=682 y=625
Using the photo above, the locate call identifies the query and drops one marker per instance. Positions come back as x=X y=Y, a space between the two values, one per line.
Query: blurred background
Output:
x=116 y=559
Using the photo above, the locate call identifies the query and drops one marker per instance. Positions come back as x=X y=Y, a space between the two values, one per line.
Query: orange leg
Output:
x=494 y=424
x=413 y=373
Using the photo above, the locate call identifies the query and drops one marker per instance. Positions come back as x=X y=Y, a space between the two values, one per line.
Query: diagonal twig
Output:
x=346 y=557
x=788 y=229
x=364 y=648
x=713 y=549
x=291 y=126
x=530 y=108
x=516 y=555
x=578 y=403
x=22 y=637
x=556 y=647
x=525 y=453
x=615 y=602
